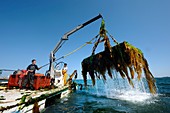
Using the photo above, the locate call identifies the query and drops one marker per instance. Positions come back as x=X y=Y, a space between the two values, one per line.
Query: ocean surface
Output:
x=116 y=96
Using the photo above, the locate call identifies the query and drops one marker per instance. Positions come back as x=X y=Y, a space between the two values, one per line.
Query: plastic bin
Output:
x=39 y=81
x=13 y=81
x=48 y=81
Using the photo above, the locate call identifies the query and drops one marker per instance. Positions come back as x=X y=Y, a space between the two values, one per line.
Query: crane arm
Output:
x=63 y=39
x=65 y=36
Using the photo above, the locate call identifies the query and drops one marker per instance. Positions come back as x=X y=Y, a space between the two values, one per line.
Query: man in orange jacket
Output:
x=64 y=72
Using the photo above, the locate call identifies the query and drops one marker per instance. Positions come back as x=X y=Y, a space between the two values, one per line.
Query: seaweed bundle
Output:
x=126 y=59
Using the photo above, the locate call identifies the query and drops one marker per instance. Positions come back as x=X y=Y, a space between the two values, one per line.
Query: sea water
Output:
x=116 y=96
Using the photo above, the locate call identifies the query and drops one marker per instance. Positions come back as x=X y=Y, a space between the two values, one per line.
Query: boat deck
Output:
x=17 y=99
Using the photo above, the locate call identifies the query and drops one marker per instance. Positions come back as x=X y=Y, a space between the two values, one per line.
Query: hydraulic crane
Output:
x=63 y=39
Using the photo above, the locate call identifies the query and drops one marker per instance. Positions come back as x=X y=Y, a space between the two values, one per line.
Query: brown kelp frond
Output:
x=124 y=57
x=149 y=77
x=85 y=67
x=121 y=73
x=92 y=76
x=131 y=72
x=109 y=71
x=121 y=57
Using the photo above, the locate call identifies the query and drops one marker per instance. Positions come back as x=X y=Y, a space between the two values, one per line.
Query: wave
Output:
x=163 y=84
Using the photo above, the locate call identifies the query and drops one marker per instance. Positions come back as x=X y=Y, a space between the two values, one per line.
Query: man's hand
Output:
x=39 y=68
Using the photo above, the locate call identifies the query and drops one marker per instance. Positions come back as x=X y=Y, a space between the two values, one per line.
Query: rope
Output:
x=75 y=50
x=90 y=42
x=114 y=40
x=80 y=47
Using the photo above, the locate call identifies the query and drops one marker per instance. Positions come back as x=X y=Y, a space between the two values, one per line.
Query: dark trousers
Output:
x=29 y=79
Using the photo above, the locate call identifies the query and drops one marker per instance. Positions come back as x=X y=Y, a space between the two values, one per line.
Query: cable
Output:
x=80 y=47
x=72 y=51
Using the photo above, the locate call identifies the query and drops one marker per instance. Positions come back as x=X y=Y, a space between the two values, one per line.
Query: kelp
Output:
x=126 y=59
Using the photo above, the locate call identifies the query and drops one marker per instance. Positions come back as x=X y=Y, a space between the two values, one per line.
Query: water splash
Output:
x=134 y=96
x=119 y=88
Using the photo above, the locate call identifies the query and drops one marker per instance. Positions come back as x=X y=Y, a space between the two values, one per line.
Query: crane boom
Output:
x=64 y=38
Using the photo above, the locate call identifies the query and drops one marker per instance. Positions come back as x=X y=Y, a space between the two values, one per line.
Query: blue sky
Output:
x=31 y=28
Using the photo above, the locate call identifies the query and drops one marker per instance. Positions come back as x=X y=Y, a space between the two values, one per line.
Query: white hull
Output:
x=27 y=109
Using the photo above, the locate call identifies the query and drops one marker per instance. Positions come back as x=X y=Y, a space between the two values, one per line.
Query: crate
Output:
x=21 y=78
x=48 y=81
x=43 y=82
x=13 y=81
x=39 y=81
x=16 y=80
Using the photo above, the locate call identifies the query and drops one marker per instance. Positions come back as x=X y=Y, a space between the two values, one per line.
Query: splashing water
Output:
x=119 y=88
x=116 y=96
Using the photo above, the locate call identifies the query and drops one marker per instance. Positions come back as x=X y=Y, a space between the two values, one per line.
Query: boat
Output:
x=48 y=87
x=15 y=99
